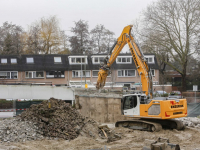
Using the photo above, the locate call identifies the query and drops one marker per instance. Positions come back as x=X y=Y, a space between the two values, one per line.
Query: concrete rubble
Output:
x=59 y=121
x=190 y=121
x=14 y=130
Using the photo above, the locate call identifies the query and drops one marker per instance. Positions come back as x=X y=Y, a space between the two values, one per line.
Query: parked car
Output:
x=161 y=93
x=175 y=93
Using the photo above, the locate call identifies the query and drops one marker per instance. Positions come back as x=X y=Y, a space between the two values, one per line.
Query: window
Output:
x=98 y=60
x=79 y=73
x=34 y=74
x=8 y=74
x=150 y=59
x=4 y=60
x=130 y=102
x=124 y=60
x=126 y=73
x=29 y=60
x=78 y=60
x=55 y=74
x=57 y=60
x=153 y=72
x=13 y=60
x=95 y=73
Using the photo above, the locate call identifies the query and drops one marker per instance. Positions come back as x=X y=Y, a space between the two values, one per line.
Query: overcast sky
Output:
x=113 y=14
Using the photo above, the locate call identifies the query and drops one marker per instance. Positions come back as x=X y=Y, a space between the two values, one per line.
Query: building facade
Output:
x=70 y=70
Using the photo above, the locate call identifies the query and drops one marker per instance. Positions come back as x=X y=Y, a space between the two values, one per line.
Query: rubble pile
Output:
x=190 y=121
x=60 y=120
x=14 y=130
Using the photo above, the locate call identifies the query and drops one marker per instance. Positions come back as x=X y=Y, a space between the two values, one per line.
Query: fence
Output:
x=21 y=106
x=192 y=97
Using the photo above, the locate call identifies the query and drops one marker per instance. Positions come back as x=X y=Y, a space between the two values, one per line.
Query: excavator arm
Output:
x=138 y=57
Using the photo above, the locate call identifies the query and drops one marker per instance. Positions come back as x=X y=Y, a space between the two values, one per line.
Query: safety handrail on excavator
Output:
x=138 y=57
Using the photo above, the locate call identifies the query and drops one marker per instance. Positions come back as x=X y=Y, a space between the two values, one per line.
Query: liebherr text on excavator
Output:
x=146 y=112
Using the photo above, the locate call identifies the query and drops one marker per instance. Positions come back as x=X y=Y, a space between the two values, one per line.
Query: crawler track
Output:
x=139 y=125
x=168 y=123
x=153 y=125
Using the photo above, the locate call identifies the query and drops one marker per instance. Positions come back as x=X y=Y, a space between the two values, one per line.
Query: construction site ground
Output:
x=188 y=139
x=56 y=125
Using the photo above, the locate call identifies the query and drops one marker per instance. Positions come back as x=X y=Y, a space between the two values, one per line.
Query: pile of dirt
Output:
x=60 y=120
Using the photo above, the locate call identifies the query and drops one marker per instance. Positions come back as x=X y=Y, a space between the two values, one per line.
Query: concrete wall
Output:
x=102 y=109
x=35 y=92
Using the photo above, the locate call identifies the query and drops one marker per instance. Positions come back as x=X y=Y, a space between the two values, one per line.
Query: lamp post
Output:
x=86 y=86
x=81 y=72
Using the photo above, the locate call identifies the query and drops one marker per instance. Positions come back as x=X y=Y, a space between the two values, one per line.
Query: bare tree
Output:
x=44 y=36
x=64 y=46
x=81 y=40
x=172 y=27
x=102 y=38
x=109 y=38
x=10 y=39
x=50 y=34
x=98 y=37
x=33 y=40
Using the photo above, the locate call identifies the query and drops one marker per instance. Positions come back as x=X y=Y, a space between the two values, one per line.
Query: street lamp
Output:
x=81 y=73
x=86 y=86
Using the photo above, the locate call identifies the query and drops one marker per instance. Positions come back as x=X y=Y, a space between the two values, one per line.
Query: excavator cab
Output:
x=131 y=104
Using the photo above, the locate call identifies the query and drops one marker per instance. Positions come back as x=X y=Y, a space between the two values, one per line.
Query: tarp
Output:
x=193 y=109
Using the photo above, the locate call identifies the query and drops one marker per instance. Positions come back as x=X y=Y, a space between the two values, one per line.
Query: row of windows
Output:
x=82 y=60
x=12 y=60
x=61 y=74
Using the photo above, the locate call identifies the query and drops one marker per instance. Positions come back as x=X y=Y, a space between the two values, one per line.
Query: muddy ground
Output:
x=188 y=139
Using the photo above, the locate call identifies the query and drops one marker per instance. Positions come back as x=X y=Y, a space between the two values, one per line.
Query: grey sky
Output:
x=113 y=14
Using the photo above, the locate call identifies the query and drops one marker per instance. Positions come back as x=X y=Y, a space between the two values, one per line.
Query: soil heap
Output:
x=60 y=120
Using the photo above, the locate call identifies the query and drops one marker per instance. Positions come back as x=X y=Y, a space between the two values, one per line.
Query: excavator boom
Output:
x=138 y=57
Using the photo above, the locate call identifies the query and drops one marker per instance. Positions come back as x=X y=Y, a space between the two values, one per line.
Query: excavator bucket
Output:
x=160 y=144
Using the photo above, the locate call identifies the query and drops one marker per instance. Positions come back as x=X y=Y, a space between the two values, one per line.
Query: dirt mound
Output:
x=60 y=120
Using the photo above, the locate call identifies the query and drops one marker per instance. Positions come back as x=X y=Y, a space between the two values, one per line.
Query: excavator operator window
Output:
x=130 y=102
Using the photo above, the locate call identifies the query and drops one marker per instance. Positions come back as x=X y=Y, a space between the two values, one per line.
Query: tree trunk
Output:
x=183 y=80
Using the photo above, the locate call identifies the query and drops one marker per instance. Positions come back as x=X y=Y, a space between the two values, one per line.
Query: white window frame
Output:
x=10 y=77
x=97 y=75
x=76 y=63
x=4 y=60
x=97 y=56
x=11 y=60
x=32 y=62
x=124 y=57
x=32 y=77
x=79 y=74
x=150 y=56
x=124 y=73
x=57 y=60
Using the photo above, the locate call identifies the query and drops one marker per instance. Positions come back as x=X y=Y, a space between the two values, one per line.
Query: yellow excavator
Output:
x=144 y=111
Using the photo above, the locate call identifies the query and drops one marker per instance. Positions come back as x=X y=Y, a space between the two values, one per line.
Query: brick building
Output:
x=66 y=70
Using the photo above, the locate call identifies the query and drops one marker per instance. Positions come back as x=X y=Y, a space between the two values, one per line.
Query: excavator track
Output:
x=168 y=123
x=152 y=125
x=139 y=125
